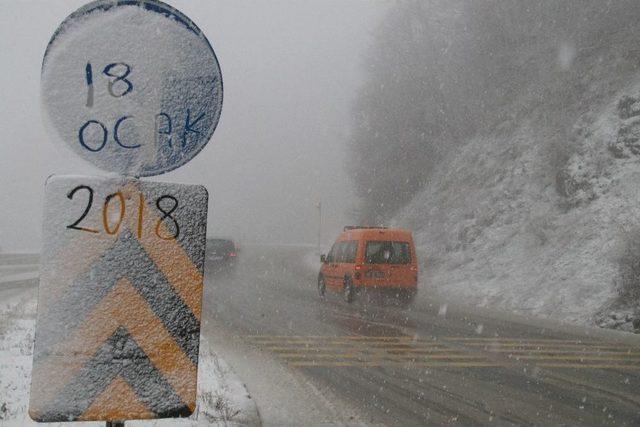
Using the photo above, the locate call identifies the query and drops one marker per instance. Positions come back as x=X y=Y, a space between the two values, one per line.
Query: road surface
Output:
x=18 y=274
x=311 y=362
x=308 y=361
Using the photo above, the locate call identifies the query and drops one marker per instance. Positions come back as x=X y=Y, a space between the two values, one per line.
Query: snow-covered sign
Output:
x=133 y=86
x=119 y=303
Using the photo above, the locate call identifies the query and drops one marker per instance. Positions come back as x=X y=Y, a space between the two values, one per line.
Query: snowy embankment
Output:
x=222 y=397
x=539 y=221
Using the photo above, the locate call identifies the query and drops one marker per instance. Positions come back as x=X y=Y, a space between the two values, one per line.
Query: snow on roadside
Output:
x=222 y=397
x=17 y=320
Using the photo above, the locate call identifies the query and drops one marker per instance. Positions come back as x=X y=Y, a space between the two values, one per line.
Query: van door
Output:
x=347 y=260
x=331 y=266
x=401 y=273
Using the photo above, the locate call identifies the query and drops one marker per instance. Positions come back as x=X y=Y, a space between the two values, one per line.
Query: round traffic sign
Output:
x=133 y=86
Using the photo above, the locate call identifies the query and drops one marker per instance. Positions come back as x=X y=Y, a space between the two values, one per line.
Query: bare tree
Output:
x=441 y=71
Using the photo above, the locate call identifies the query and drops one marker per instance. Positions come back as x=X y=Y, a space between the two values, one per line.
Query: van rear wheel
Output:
x=407 y=297
x=349 y=291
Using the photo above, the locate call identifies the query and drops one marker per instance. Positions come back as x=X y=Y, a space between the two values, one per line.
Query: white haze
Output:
x=291 y=71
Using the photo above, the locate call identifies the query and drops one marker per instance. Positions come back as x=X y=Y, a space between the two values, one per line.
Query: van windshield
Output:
x=384 y=252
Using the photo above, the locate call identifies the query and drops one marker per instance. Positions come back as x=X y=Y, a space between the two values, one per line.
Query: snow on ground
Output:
x=222 y=397
x=532 y=219
x=17 y=318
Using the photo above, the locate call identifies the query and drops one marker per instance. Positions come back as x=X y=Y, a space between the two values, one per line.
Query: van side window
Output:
x=340 y=254
x=350 y=251
x=346 y=252
x=332 y=253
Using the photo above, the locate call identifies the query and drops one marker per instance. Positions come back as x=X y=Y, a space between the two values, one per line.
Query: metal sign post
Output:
x=135 y=88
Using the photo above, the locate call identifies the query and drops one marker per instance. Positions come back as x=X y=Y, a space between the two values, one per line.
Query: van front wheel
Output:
x=349 y=290
x=322 y=287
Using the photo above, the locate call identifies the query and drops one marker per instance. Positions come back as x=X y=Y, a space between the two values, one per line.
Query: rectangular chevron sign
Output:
x=119 y=302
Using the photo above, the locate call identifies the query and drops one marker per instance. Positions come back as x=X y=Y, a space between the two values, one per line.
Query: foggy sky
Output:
x=291 y=71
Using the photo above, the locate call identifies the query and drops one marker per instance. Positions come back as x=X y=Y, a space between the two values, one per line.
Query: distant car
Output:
x=222 y=254
x=370 y=258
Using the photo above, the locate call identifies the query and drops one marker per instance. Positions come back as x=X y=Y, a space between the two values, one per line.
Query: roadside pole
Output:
x=319 y=205
x=135 y=88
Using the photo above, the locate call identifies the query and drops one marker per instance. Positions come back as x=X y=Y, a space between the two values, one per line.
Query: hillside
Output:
x=532 y=204
x=502 y=228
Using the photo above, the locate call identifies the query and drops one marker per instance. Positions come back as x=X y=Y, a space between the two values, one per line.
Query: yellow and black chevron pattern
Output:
x=120 y=339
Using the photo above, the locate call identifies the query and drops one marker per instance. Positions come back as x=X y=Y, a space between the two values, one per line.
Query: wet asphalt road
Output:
x=18 y=274
x=431 y=364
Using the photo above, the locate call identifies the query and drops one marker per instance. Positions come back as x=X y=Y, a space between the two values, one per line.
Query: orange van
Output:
x=370 y=258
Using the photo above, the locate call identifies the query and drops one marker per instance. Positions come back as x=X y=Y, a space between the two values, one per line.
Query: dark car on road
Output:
x=222 y=254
